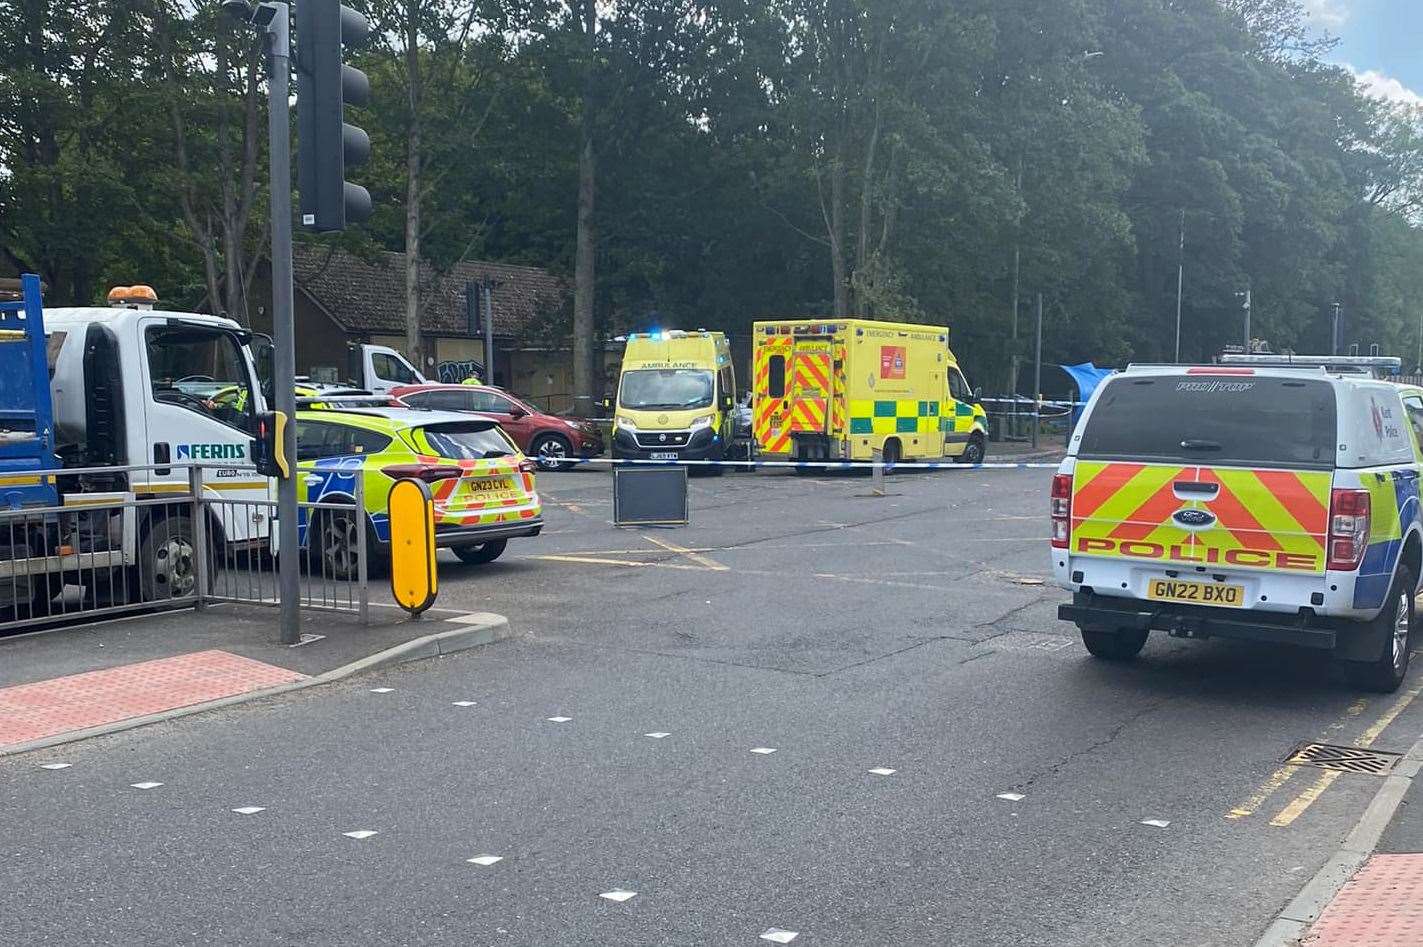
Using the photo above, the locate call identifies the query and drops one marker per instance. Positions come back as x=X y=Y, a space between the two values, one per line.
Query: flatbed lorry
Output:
x=122 y=401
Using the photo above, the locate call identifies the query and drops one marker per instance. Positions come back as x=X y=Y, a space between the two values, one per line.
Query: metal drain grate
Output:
x=1345 y=759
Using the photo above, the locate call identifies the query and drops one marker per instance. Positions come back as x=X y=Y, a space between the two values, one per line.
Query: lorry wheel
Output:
x=482 y=552
x=551 y=452
x=167 y=566
x=1121 y=645
x=1394 y=625
x=973 y=452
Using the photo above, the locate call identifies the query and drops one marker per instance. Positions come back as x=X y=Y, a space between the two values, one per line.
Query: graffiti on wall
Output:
x=452 y=373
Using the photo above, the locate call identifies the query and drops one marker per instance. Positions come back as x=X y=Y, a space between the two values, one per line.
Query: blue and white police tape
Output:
x=864 y=465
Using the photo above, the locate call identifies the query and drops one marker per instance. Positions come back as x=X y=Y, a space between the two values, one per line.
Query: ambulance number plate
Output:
x=1196 y=593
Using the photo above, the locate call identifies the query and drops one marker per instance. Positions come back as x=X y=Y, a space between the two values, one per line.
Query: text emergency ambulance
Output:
x=676 y=397
x=1264 y=504
x=842 y=390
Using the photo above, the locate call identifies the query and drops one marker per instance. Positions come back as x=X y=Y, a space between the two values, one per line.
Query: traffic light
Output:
x=326 y=145
x=266 y=447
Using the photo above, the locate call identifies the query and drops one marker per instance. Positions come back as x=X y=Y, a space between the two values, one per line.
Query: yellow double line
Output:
x=1297 y=806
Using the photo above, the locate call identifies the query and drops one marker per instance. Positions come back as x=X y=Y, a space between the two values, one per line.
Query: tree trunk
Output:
x=838 y=269
x=234 y=305
x=584 y=281
x=584 y=266
x=412 y=195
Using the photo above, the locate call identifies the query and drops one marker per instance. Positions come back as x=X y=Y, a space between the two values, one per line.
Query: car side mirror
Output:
x=517 y=413
x=606 y=404
x=978 y=395
x=727 y=402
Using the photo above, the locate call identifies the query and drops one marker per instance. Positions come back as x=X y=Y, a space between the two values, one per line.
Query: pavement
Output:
x=949 y=766
x=70 y=683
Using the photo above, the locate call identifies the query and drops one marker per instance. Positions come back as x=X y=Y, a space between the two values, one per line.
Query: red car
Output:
x=549 y=440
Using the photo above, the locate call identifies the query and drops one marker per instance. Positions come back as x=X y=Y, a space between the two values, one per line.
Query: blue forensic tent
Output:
x=1086 y=377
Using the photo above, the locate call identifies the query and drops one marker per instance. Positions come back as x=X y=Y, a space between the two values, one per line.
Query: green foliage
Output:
x=890 y=157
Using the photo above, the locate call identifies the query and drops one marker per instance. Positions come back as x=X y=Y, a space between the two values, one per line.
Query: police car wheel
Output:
x=481 y=552
x=1394 y=625
x=1120 y=645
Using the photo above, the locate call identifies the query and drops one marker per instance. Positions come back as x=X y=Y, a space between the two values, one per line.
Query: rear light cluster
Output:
x=528 y=466
x=1349 y=513
x=1061 y=508
x=430 y=473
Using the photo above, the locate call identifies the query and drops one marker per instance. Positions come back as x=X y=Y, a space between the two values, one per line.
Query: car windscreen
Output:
x=666 y=388
x=1246 y=421
x=467 y=441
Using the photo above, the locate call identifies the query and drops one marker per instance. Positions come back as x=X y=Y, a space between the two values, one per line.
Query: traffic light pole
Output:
x=283 y=330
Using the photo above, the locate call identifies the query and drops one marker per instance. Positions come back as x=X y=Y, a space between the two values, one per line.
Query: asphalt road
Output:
x=847 y=633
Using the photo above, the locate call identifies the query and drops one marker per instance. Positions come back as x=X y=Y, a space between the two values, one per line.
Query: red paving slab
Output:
x=1381 y=907
x=79 y=701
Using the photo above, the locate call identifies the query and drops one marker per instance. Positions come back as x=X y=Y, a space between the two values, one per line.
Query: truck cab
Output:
x=379 y=368
x=676 y=397
x=137 y=386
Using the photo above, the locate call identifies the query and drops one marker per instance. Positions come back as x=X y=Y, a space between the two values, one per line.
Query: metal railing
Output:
x=178 y=543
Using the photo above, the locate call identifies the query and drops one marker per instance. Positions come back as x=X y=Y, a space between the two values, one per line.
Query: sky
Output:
x=1381 y=41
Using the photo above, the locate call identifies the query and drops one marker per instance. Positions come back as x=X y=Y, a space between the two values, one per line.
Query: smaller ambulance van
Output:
x=676 y=397
x=1267 y=504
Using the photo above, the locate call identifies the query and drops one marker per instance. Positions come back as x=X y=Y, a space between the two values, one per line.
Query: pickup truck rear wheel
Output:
x=1394 y=625
x=1121 y=645
x=480 y=553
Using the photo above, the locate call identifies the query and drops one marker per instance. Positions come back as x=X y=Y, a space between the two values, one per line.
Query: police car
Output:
x=1262 y=503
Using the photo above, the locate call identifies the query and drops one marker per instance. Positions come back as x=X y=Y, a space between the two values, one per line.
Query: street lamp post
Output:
x=1180 y=279
x=1247 y=297
x=1334 y=333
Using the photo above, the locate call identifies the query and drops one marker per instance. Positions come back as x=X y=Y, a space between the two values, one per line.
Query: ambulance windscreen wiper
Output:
x=1196 y=444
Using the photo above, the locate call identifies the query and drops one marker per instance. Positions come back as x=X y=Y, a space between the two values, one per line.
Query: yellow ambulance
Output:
x=842 y=389
x=676 y=397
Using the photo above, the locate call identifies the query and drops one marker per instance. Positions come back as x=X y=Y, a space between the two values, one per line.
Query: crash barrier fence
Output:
x=100 y=555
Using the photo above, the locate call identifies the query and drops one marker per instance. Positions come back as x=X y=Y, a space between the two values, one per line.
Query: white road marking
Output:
x=55 y=765
x=558 y=719
x=1158 y=823
x=1012 y=796
x=763 y=750
x=883 y=771
x=381 y=690
x=657 y=736
x=485 y=860
x=777 y=936
x=250 y=810
x=618 y=895
x=464 y=703
x=145 y=785
x=360 y=834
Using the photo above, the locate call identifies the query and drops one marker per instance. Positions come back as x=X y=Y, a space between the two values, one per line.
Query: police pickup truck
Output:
x=1270 y=504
